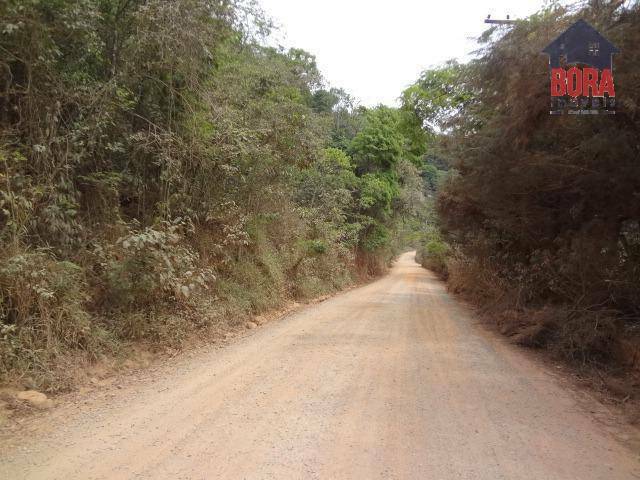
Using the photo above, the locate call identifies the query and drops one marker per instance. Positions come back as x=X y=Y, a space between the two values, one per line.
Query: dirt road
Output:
x=389 y=381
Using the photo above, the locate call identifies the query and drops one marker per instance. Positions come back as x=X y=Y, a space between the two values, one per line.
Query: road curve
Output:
x=389 y=381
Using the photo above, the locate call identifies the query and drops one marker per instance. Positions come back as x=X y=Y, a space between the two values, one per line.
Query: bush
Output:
x=42 y=312
x=257 y=283
x=434 y=256
x=153 y=267
x=474 y=278
x=574 y=332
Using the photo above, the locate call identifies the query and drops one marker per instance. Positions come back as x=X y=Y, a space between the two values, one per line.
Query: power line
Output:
x=507 y=21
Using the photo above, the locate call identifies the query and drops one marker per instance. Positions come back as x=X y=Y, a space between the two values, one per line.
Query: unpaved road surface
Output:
x=389 y=381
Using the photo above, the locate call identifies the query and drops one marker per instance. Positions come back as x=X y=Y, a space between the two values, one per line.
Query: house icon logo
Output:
x=581 y=70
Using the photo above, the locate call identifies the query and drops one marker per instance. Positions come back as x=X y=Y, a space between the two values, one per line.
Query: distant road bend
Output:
x=392 y=380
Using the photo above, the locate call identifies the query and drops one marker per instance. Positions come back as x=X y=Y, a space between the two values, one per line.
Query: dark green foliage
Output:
x=434 y=255
x=379 y=145
x=377 y=190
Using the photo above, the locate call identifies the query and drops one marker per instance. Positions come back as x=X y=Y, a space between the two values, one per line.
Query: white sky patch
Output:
x=375 y=49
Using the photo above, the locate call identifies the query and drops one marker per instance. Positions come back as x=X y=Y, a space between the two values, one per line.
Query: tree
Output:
x=542 y=207
x=379 y=145
x=438 y=95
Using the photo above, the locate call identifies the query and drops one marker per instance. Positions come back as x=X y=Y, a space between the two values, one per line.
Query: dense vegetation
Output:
x=162 y=170
x=541 y=212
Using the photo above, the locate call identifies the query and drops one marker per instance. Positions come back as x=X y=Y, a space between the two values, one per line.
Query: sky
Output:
x=374 y=49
